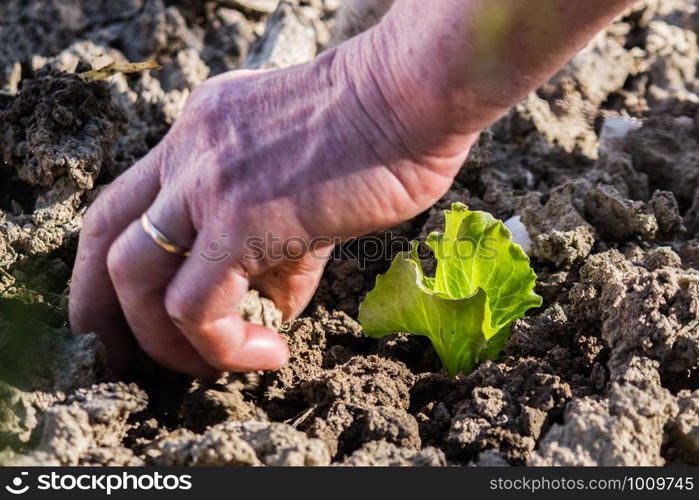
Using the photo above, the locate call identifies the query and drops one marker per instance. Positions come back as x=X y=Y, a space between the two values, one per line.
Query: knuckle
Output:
x=184 y=307
x=188 y=313
x=164 y=157
x=95 y=217
x=204 y=99
x=199 y=92
x=118 y=262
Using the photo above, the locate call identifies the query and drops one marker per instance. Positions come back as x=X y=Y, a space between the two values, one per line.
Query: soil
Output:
x=601 y=164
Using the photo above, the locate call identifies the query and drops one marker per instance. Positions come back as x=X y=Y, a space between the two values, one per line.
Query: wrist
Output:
x=414 y=118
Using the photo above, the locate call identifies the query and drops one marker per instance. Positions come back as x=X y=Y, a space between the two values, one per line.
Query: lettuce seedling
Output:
x=482 y=283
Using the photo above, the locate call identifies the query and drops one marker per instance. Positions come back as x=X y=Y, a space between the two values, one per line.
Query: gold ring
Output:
x=160 y=239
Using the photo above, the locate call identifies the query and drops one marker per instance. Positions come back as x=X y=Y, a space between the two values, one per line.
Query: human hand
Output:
x=263 y=173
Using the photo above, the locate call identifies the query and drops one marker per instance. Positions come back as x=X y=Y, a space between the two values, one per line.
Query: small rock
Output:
x=289 y=39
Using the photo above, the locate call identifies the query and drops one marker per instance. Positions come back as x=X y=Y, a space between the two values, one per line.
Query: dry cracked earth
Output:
x=601 y=165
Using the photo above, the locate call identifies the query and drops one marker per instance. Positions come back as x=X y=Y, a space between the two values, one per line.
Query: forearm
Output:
x=457 y=65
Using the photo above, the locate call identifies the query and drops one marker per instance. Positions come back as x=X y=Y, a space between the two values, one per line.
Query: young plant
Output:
x=483 y=282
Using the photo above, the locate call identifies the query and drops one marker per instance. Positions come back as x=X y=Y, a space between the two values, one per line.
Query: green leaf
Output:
x=483 y=282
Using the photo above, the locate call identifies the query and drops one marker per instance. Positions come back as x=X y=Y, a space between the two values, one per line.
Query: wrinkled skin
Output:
x=353 y=142
x=229 y=168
